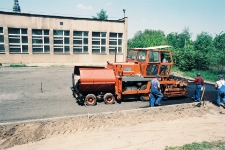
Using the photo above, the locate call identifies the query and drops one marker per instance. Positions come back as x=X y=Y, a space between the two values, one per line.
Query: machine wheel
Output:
x=144 y=97
x=73 y=84
x=90 y=100
x=109 y=98
x=77 y=84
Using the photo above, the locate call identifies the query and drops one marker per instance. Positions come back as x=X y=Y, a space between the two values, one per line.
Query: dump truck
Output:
x=119 y=81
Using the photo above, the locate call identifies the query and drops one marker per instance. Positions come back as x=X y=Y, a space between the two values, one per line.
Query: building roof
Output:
x=56 y=16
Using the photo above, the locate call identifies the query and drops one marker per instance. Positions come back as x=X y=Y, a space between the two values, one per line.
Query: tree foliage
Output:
x=204 y=42
x=205 y=53
x=101 y=15
x=180 y=40
x=147 y=38
x=219 y=42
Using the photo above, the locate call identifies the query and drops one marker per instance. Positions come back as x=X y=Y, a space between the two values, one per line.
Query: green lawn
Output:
x=217 y=145
x=207 y=75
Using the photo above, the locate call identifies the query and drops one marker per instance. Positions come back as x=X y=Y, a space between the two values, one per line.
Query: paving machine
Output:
x=127 y=80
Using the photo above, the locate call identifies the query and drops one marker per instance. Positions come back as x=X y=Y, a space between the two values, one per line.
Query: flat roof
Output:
x=56 y=16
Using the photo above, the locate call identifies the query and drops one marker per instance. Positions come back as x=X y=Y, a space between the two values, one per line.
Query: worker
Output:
x=199 y=83
x=155 y=94
x=220 y=86
x=163 y=60
x=163 y=67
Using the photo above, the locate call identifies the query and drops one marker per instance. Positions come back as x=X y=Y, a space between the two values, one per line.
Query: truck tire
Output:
x=77 y=85
x=73 y=84
x=144 y=97
x=109 y=98
x=90 y=100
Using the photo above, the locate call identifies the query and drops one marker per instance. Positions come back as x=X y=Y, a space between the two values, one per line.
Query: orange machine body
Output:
x=127 y=80
x=97 y=80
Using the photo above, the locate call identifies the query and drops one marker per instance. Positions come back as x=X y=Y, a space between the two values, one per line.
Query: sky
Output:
x=165 y=15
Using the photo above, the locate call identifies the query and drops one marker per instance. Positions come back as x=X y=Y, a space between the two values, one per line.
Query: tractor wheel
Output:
x=73 y=84
x=77 y=85
x=109 y=98
x=144 y=97
x=90 y=100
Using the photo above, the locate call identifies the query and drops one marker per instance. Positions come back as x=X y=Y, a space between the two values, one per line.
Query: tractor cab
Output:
x=152 y=60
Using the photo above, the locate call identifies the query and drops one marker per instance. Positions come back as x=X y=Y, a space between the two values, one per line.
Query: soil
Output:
x=146 y=128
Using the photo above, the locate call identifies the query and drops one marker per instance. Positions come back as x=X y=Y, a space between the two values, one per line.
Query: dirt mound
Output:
x=33 y=131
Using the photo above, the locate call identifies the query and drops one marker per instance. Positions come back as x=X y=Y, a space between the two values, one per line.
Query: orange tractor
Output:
x=127 y=80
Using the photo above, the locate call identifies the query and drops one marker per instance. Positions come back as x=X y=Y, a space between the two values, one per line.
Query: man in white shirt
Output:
x=220 y=86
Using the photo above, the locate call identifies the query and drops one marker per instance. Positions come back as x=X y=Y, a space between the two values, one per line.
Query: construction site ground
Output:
x=37 y=111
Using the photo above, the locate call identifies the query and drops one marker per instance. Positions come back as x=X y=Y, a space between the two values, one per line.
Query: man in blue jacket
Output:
x=155 y=94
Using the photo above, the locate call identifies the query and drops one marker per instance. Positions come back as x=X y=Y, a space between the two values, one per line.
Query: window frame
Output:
x=2 y=43
x=81 y=38
x=20 y=45
x=62 y=45
x=116 y=39
x=101 y=45
x=42 y=45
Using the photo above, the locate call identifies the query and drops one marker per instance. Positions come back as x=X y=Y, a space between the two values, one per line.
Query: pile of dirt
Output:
x=26 y=132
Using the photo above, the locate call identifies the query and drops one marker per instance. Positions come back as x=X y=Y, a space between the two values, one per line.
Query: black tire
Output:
x=90 y=100
x=109 y=98
x=80 y=102
x=77 y=85
x=73 y=84
x=144 y=97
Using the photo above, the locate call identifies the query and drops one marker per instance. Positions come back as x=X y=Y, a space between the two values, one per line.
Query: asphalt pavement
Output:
x=39 y=93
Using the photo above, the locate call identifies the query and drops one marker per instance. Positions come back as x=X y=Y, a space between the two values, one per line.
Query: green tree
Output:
x=185 y=59
x=101 y=15
x=147 y=38
x=204 y=42
x=180 y=40
x=204 y=47
x=172 y=39
x=219 y=42
x=201 y=60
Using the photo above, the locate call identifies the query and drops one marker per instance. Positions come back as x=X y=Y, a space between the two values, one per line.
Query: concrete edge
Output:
x=95 y=114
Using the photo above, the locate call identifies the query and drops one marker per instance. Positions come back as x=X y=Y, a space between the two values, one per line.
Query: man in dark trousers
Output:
x=199 y=83
x=155 y=94
x=220 y=86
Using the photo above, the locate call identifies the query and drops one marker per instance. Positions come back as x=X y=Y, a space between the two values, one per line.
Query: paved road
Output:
x=21 y=97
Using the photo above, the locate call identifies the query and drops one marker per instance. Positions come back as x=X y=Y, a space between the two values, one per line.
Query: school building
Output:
x=35 y=39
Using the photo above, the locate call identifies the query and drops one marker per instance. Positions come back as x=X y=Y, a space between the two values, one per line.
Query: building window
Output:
x=115 y=41
x=18 y=40
x=40 y=41
x=80 y=41
x=2 y=47
x=98 y=42
x=61 y=41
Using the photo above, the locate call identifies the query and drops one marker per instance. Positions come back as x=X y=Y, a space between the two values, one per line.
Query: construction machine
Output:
x=119 y=81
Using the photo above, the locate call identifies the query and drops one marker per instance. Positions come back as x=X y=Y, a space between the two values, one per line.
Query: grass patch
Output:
x=18 y=65
x=207 y=75
x=217 y=145
x=58 y=66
